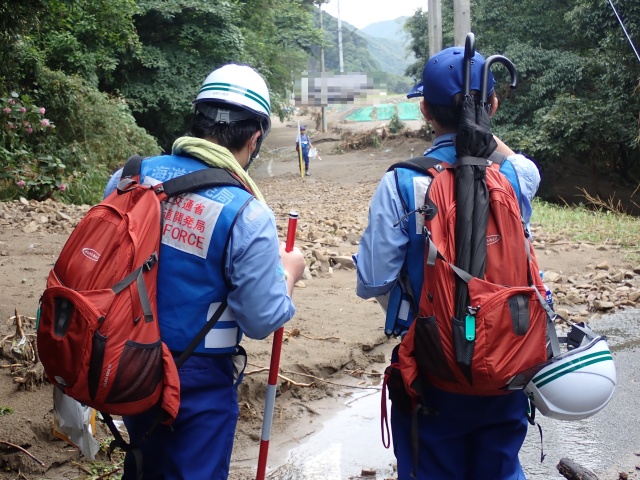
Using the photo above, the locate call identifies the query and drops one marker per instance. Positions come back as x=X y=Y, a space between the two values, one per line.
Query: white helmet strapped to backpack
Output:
x=238 y=86
x=578 y=383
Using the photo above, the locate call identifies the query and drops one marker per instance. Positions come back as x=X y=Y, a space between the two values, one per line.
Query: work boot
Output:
x=306 y=171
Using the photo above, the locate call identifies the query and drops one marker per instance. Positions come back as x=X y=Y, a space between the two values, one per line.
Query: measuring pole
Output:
x=300 y=152
x=272 y=383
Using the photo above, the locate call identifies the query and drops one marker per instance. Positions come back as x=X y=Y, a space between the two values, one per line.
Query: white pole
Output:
x=340 y=39
x=461 y=21
x=323 y=109
x=435 y=26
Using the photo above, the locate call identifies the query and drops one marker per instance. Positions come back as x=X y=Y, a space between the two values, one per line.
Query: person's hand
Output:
x=294 y=264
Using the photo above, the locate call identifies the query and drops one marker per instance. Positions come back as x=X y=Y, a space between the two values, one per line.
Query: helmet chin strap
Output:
x=254 y=155
x=249 y=162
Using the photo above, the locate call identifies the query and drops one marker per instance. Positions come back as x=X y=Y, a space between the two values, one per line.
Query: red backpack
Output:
x=98 y=336
x=481 y=326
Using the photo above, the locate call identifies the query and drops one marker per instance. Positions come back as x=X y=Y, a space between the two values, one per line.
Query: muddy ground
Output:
x=335 y=345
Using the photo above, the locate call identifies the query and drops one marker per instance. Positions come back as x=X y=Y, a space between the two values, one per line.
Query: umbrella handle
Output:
x=469 y=52
x=485 y=74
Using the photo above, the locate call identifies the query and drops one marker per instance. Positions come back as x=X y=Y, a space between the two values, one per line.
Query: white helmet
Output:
x=240 y=86
x=578 y=383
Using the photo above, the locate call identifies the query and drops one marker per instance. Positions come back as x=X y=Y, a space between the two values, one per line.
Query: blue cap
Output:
x=442 y=77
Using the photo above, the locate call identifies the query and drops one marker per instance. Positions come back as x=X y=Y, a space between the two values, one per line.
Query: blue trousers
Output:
x=469 y=438
x=199 y=442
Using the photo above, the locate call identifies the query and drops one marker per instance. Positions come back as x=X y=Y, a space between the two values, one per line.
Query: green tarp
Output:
x=405 y=111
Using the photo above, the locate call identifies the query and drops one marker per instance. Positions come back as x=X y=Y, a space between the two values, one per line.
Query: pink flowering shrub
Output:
x=27 y=148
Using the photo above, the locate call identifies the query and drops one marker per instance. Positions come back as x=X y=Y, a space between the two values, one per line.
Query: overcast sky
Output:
x=361 y=13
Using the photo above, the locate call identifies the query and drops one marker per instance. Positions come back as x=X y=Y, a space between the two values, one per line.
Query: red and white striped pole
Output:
x=273 y=369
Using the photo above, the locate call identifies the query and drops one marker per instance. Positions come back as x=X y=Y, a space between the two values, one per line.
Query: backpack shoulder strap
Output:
x=132 y=166
x=497 y=158
x=200 y=179
x=430 y=166
x=426 y=165
x=191 y=182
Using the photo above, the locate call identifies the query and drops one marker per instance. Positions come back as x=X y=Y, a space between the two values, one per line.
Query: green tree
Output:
x=17 y=19
x=417 y=27
x=576 y=99
x=181 y=42
x=54 y=54
x=279 y=36
x=86 y=37
x=92 y=63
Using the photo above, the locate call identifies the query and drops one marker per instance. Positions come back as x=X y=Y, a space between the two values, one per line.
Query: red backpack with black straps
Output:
x=98 y=336
x=475 y=332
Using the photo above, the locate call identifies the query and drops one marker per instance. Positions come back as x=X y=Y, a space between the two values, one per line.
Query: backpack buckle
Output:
x=148 y=265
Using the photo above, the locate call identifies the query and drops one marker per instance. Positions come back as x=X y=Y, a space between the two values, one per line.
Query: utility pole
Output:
x=434 y=13
x=340 y=40
x=461 y=21
x=323 y=109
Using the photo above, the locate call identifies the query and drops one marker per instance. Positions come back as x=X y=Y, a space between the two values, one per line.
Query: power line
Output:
x=624 y=30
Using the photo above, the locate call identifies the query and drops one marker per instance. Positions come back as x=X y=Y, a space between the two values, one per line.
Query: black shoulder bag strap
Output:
x=191 y=182
x=420 y=164
x=132 y=166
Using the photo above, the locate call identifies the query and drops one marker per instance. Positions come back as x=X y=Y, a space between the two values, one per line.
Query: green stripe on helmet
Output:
x=228 y=87
x=572 y=366
x=568 y=364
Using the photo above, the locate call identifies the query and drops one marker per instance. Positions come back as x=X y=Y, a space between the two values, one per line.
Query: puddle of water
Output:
x=574 y=440
x=347 y=443
x=605 y=443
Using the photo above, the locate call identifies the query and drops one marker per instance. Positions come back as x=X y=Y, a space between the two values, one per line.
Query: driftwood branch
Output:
x=297 y=384
x=359 y=373
x=286 y=379
x=572 y=471
x=265 y=369
x=297 y=333
x=81 y=467
x=42 y=464
x=108 y=474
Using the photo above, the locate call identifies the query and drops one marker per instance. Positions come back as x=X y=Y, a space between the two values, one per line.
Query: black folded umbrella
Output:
x=474 y=144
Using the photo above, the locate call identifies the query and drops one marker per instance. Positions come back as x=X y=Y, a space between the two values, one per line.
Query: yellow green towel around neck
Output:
x=215 y=156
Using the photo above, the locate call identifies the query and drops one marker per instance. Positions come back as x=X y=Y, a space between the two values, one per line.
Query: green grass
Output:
x=582 y=224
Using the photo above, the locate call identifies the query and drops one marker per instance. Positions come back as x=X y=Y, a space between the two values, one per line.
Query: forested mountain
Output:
x=388 y=29
x=388 y=43
x=355 y=53
x=363 y=53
